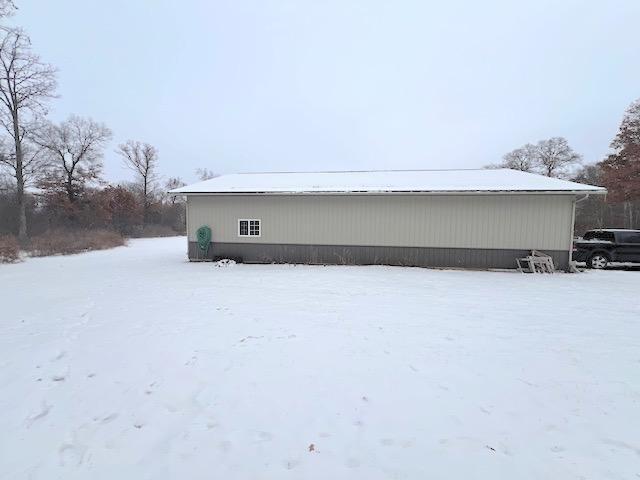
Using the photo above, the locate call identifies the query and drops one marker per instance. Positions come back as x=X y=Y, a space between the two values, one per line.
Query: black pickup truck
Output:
x=598 y=248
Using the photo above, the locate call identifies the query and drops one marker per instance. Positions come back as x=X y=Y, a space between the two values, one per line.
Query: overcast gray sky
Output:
x=264 y=85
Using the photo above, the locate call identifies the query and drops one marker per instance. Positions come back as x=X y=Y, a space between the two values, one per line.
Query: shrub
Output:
x=66 y=242
x=9 y=249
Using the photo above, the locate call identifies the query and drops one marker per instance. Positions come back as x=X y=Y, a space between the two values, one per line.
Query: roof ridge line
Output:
x=370 y=171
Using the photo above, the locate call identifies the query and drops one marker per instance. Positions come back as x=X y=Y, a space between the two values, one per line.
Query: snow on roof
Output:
x=386 y=181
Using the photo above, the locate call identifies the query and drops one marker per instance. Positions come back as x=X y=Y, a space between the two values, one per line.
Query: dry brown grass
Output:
x=150 y=231
x=9 y=249
x=66 y=242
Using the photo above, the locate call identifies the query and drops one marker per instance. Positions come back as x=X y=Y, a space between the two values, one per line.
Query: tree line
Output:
x=51 y=174
x=619 y=172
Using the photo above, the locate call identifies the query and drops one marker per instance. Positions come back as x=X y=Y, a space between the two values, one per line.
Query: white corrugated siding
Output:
x=460 y=221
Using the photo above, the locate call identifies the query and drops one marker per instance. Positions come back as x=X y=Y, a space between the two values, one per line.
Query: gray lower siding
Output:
x=368 y=255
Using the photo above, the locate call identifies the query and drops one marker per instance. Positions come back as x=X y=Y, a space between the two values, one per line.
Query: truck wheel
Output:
x=598 y=261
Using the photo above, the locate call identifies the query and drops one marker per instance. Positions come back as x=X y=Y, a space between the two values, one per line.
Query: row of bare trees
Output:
x=58 y=167
x=552 y=157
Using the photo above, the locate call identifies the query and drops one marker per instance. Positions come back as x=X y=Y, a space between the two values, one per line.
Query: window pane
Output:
x=623 y=237
x=628 y=237
x=244 y=227
x=254 y=228
x=602 y=236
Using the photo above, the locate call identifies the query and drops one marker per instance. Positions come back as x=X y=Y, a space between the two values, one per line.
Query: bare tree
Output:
x=205 y=174
x=74 y=149
x=556 y=157
x=26 y=83
x=33 y=161
x=172 y=183
x=142 y=159
x=5 y=183
x=553 y=158
x=7 y=8
x=523 y=159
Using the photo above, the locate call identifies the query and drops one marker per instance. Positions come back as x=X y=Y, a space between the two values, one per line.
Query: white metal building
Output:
x=443 y=218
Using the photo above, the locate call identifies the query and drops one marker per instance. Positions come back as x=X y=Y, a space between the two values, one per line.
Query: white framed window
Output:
x=249 y=227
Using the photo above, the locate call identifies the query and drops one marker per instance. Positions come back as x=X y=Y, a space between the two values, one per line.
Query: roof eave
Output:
x=405 y=192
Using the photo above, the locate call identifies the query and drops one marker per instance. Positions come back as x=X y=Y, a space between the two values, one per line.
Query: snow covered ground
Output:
x=135 y=364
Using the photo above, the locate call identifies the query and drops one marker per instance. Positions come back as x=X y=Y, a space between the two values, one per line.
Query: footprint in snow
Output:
x=109 y=418
x=71 y=454
x=59 y=356
x=150 y=390
x=43 y=412
x=250 y=337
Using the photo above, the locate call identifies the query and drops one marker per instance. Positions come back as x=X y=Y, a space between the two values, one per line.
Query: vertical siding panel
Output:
x=474 y=227
x=469 y=223
x=547 y=213
x=464 y=211
x=463 y=222
x=440 y=232
x=458 y=223
x=452 y=225
x=427 y=221
x=526 y=222
x=419 y=209
x=505 y=232
x=533 y=216
x=480 y=223
x=519 y=222
x=484 y=221
x=546 y=216
x=530 y=221
x=512 y=224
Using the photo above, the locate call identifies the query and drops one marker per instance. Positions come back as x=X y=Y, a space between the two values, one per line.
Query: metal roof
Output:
x=387 y=181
